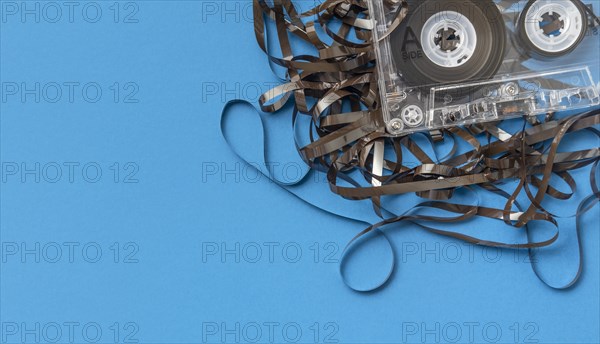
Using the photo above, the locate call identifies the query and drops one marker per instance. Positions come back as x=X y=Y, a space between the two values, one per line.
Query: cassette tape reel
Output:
x=457 y=62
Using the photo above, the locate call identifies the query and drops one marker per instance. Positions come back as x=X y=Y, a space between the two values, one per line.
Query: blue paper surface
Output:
x=126 y=218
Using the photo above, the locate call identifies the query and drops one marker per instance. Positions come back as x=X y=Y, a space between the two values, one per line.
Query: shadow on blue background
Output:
x=125 y=217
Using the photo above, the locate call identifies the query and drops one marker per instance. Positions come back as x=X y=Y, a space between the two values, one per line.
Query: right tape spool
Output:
x=551 y=28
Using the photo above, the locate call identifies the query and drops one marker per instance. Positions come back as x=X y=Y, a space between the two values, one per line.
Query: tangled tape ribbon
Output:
x=348 y=138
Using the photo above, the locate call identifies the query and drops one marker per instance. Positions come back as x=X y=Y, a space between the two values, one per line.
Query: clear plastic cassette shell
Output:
x=549 y=61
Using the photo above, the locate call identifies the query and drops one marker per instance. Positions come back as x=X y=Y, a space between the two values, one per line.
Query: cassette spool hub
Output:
x=449 y=41
x=548 y=29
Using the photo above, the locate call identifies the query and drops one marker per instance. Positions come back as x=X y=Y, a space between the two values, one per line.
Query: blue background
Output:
x=181 y=198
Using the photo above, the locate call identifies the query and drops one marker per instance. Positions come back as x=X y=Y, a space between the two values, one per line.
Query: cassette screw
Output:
x=395 y=126
x=512 y=89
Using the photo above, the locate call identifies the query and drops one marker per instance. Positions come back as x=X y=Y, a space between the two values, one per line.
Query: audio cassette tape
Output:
x=461 y=62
